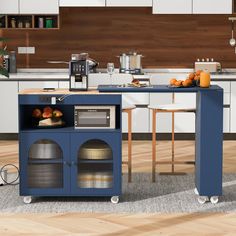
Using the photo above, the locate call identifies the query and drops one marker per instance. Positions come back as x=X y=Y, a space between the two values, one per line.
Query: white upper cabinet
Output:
x=212 y=6
x=82 y=3
x=39 y=6
x=129 y=3
x=9 y=6
x=172 y=6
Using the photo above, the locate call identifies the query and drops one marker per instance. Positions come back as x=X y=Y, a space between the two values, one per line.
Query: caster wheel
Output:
x=202 y=199
x=27 y=199
x=115 y=199
x=214 y=199
x=196 y=191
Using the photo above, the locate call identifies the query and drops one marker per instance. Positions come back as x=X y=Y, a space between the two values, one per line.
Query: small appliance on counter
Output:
x=95 y=117
x=79 y=68
x=209 y=65
x=130 y=63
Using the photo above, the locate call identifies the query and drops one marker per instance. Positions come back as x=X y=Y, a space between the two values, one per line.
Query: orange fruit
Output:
x=191 y=76
x=178 y=83
x=198 y=72
x=172 y=81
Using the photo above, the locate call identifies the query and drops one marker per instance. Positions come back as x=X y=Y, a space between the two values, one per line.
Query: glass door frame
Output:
x=26 y=141
x=114 y=141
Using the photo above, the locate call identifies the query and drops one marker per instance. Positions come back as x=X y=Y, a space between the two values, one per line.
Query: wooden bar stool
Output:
x=128 y=108
x=169 y=108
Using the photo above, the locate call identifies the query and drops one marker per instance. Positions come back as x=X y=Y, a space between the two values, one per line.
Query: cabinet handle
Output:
x=73 y=163
x=67 y=163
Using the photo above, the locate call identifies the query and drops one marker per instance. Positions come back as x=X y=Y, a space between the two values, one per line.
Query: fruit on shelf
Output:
x=48 y=109
x=193 y=79
x=178 y=83
x=37 y=113
x=56 y=113
x=173 y=81
x=187 y=83
x=47 y=114
x=198 y=72
x=191 y=76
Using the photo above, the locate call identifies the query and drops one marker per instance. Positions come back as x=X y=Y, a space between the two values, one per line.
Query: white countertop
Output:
x=62 y=74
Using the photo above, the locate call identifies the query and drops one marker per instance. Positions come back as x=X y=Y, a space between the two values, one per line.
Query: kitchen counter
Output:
x=156 y=89
x=209 y=133
x=69 y=180
x=62 y=74
x=60 y=92
x=23 y=76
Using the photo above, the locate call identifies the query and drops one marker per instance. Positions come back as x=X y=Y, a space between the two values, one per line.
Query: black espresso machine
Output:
x=79 y=68
x=79 y=71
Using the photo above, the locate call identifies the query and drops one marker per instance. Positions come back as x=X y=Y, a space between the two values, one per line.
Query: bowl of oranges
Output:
x=192 y=80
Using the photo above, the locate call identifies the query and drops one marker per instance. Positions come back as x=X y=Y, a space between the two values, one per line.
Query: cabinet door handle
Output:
x=67 y=163
x=73 y=163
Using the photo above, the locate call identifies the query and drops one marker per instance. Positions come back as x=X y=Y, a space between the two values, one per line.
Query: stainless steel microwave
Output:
x=95 y=117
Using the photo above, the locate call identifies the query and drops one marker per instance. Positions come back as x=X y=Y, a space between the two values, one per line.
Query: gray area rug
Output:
x=170 y=194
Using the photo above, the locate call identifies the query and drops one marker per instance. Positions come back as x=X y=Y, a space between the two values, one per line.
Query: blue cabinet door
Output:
x=96 y=173
x=44 y=164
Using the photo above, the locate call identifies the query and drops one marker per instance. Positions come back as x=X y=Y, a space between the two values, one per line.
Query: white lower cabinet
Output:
x=163 y=120
x=233 y=108
x=37 y=84
x=136 y=98
x=140 y=121
x=140 y=115
x=226 y=117
x=184 y=122
x=9 y=107
x=226 y=85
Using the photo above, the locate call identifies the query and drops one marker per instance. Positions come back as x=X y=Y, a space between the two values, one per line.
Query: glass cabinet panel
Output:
x=45 y=175
x=95 y=165
x=45 y=167
x=95 y=150
x=45 y=149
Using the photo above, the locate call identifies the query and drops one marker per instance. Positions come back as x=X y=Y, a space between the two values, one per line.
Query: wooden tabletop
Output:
x=93 y=91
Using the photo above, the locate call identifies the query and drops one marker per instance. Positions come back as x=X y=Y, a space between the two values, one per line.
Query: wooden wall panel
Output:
x=164 y=40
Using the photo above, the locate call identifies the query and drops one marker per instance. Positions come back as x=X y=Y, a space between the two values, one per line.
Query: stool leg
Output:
x=129 y=145
x=173 y=143
x=153 y=145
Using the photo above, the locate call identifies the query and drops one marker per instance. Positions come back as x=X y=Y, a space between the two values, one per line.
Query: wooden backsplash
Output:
x=164 y=40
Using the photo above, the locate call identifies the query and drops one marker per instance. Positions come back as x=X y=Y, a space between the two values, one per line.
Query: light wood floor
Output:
x=124 y=224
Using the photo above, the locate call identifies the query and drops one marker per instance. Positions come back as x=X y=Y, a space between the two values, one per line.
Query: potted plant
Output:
x=3 y=52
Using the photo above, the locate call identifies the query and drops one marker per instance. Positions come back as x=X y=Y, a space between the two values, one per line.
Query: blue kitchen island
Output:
x=209 y=134
x=81 y=156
